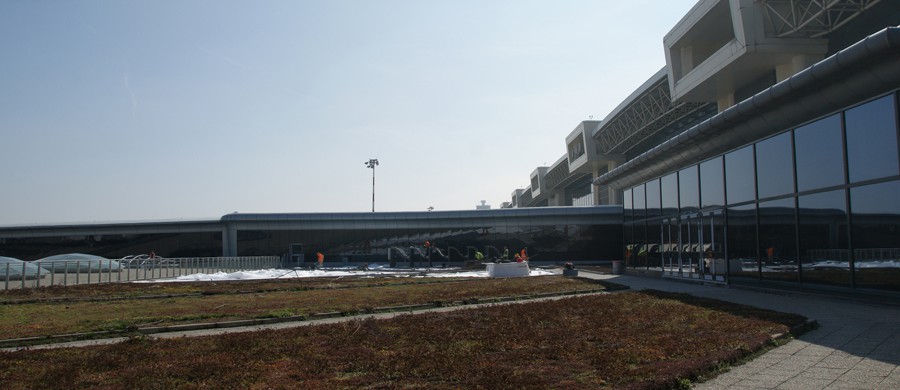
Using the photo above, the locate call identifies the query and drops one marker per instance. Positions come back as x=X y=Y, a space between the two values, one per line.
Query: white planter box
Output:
x=508 y=270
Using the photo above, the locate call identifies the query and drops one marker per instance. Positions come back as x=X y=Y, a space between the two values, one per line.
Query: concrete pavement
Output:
x=856 y=346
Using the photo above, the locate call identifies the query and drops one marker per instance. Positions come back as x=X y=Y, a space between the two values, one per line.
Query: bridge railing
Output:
x=77 y=272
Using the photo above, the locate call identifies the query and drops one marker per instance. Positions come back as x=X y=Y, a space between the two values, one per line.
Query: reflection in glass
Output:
x=653 y=201
x=774 y=166
x=670 y=194
x=670 y=247
x=820 y=154
x=777 y=240
x=689 y=189
x=824 y=254
x=626 y=202
x=739 y=176
x=872 y=140
x=629 y=245
x=654 y=245
x=712 y=184
x=639 y=251
x=742 y=241
x=713 y=238
x=876 y=235
x=690 y=245
x=639 y=202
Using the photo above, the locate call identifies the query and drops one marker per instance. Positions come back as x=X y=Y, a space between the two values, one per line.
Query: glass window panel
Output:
x=777 y=240
x=872 y=140
x=670 y=194
x=689 y=189
x=626 y=203
x=824 y=254
x=671 y=249
x=628 y=237
x=819 y=151
x=714 y=266
x=774 y=166
x=653 y=258
x=712 y=185
x=739 y=176
x=639 y=253
x=690 y=245
x=653 y=201
x=741 y=241
x=876 y=235
x=639 y=202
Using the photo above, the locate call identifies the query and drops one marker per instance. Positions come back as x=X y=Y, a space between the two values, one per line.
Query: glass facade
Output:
x=553 y=235
x=712 y=183
x=114 y=246
x=815 y=205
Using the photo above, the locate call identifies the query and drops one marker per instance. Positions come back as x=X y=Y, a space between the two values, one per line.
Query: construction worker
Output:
x=321 y=258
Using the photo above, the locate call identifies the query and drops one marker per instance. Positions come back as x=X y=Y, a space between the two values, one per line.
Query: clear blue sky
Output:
x=158 y=110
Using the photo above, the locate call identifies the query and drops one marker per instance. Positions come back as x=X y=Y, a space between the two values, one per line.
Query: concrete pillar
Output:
x=595 y=189
x=724 y=101
x=613 y=194
x=798 y=63
x=556 y=198
x=229 y=241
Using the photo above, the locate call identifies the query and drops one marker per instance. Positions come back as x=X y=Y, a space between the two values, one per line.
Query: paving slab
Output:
x=854 y=337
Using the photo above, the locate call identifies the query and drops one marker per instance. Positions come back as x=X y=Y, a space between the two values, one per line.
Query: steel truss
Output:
x=649 y=113
x=809 y=18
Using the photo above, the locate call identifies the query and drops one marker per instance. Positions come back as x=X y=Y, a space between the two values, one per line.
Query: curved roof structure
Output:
x=13 y=269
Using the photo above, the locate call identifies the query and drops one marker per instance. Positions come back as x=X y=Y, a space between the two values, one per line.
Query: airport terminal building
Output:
x=766 y=152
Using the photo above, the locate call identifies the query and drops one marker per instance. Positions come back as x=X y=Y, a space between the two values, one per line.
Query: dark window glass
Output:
x=820 y=161
x=626 y=203
x=714 y=266
x=629 y=244
x=653 y=203
x=712 y=186
x=639 y=250
x=653 y=257
x=777 y=240
x=670 y=249
x=639 y=202
x=774 y=166
x=742 y=241
x=688 y=189
x=739 y=176
x=872 y=140
x=824 y=255
x=670 y=194
x=690 y=245
x=876 y=235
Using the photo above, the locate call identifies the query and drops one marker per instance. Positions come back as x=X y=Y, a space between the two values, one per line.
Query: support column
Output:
x=798 y=63
x=724 y=101
x=613 y=194
x=229 y=241
x=556 y=198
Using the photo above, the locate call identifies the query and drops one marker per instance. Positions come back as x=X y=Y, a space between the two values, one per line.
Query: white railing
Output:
x=75 y=272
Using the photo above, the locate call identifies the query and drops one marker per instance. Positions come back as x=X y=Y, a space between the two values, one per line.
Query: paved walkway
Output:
x=857 y=344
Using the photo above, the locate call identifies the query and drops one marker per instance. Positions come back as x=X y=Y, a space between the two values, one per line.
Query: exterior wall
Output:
x=550 y=234
x=813 y=206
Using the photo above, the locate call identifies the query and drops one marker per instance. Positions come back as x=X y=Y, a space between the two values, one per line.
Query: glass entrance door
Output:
x=670 y=245
x=713 y=245
x=690 y=246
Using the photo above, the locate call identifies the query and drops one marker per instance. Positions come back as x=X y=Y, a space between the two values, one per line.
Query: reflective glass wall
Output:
x=817 y=205
x=572 y=242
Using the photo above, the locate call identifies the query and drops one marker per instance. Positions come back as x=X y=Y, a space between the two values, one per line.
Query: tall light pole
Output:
x=371 y=164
